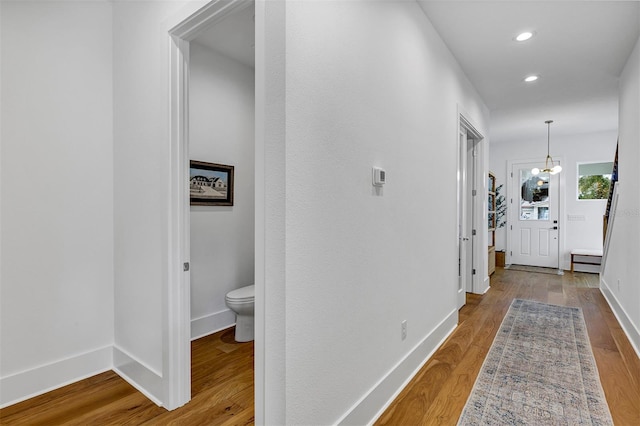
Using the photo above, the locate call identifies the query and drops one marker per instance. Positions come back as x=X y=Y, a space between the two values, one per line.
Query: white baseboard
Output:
x=36 y=381
x=373 y=403
x=138 y=375
x=212 y=323
x=486 y=285
x=625 y=322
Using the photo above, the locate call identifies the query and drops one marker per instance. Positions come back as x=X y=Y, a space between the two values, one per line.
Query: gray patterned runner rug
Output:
x=539 y=371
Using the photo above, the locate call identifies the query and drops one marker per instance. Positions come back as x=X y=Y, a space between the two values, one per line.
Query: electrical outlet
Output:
x=403 y=325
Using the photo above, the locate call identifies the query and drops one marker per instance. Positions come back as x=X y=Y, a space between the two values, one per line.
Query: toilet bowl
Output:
x=241 y=301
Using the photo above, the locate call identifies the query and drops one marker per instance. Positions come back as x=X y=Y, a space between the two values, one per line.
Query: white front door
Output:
x=534 y=217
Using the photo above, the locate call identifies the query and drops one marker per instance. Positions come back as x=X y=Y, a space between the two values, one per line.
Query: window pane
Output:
x=595 y=169
x=594 y=180
x=534 y=196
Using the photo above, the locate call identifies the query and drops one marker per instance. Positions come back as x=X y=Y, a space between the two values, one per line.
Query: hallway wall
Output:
x=620 y=279
x=142 y=182
x=56 y=195
x=379 y=89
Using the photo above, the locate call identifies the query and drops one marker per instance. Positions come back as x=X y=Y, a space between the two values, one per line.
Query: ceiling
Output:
x=233 y=36
x=579 y=50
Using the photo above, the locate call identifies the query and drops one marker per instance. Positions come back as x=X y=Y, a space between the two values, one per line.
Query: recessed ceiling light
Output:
x=524 y=36
x=531 y=78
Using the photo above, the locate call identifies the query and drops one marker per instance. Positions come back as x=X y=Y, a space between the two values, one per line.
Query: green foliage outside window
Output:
x=594 y=187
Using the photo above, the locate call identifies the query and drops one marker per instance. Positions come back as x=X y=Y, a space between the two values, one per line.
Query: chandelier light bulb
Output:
x=535 y=171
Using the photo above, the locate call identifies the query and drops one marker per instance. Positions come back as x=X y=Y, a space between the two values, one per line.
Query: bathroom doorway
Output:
x=222 y=131
x=211 y=49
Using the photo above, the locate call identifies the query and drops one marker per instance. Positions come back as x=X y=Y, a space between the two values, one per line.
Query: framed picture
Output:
x=210 y=184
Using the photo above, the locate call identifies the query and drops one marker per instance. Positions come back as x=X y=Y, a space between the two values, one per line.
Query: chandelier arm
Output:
x=548 y=136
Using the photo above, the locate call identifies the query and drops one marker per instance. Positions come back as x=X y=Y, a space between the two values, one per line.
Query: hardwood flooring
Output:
x=438 y=393
x=222 y=370
x=221 y=389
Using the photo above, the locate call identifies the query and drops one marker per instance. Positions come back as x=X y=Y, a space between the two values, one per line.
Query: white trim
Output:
x=633 y=334
x=461 y=233
x=270 y=214
x=486 y=285
x=212 y=323
x=204 y=18
x=180 y=30
x=177 y=303
x=138 y=375
x=480 y=255
x=371 y=406
x=612 y=217
x=36 y=381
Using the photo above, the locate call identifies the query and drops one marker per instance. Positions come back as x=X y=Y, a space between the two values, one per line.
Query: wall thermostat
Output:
x=379 y=176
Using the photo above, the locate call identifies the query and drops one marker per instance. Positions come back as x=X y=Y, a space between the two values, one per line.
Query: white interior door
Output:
x=465 y=218
x=462 y=214
x=534 y=217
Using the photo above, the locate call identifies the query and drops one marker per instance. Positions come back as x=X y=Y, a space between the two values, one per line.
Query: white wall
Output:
x=595 y=147
x=379 y=88
x=221 y=111
x=56 y=195
x=620 y=278
x=142 y=189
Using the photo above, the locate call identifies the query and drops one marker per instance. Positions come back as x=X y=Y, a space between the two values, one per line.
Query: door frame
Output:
x=478 y=207
x=181 y=30
x=512 y=215
x=462 y=212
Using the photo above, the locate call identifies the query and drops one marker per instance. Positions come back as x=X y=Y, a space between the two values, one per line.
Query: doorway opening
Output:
x=209 y=25
x=469 y=209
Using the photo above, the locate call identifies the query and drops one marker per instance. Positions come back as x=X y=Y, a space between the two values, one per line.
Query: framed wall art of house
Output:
x=210 y=184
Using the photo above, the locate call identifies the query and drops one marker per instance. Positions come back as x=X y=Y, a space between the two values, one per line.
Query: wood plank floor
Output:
x=222 y=370
x=437 y=394
x=221 y=389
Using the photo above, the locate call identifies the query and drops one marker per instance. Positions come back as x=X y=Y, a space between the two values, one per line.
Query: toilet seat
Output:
x=242 y=294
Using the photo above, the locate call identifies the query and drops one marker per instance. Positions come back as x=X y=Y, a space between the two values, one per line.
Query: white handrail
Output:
x=610 y=220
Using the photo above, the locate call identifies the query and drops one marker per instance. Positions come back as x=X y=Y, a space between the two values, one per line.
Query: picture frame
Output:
x=210 y=184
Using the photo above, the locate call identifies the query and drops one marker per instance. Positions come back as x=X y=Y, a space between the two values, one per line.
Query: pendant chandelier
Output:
x=549 y=164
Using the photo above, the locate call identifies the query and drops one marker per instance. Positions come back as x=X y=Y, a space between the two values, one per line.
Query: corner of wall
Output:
x=138 y=375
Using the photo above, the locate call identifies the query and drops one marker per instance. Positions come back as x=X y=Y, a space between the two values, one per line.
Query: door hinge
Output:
x=473 y=272
x=511 y=227
x=473 y=232
x=510 y=253
x=474 y=192
x=511 y=174
x=185 y=266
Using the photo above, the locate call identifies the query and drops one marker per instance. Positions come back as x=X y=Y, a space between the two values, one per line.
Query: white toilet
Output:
x=241 y=301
